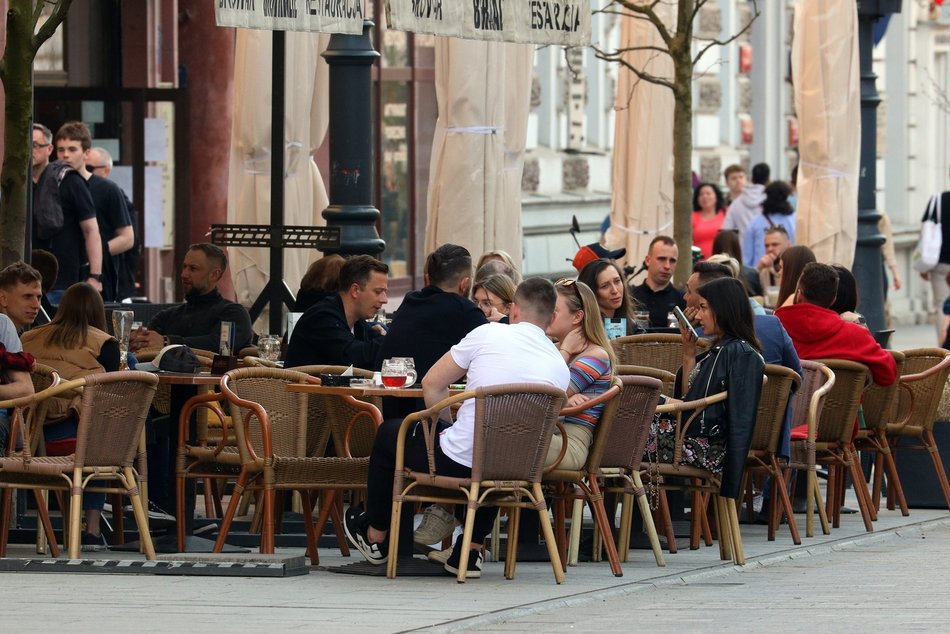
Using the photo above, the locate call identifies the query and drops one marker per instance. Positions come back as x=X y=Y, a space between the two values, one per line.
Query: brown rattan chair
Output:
x=697 y=480
x=807 y=406
x=833 y=443
x=271 y=431
x=880 y=409
x=622 y=457
x=585 y=478
x=661 y=351
x=925 y=374
x=514 y=424
x=667 y=378
x=112 y=417
x=766 y=437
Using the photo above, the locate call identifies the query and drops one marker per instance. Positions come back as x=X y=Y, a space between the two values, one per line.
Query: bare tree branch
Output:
x=52 y=23
x=735 y=36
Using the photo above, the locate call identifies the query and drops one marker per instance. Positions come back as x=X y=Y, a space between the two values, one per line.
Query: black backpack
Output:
x=47 y=207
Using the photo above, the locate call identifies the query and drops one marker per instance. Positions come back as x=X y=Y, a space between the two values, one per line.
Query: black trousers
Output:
x=382 y=465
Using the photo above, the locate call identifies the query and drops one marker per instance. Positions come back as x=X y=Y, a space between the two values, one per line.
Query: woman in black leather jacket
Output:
x=719 y=439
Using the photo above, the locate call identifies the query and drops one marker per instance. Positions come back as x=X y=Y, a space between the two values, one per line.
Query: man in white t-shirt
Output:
x=492 y=354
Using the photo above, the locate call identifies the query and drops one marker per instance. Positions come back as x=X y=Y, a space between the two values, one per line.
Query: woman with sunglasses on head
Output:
x=719 y=439
x=494 y=295
x=583 y=344
x=605 y=279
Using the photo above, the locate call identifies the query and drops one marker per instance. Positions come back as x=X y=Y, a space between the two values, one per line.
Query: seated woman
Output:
x=493 y=295
x=74 y=344
x=583 y=344
x=319 y=282
x=605 y=279
x=718 y=440
x=846 y=301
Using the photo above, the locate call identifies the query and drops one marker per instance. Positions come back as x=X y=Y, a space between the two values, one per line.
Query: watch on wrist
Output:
x=95 y=276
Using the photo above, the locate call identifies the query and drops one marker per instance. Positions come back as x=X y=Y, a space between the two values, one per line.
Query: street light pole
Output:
x=868 y=265
x=350 y=58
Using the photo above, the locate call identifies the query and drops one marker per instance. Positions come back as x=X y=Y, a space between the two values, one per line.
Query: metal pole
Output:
x=277 y=179
x=868 y=265
x=352 y=163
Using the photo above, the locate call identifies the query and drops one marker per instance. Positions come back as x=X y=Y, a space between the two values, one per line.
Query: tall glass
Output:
x=269 y=347
x=122 y=329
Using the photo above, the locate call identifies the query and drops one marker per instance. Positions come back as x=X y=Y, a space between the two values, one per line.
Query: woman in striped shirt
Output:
x=583 y=343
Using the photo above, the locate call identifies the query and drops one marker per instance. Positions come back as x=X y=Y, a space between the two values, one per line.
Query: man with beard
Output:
x=197 y=322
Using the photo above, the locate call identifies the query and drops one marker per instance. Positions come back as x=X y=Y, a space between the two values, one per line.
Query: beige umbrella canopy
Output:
x=826 y=75
x=306 y=118
x=642 y=203
x=483 y=94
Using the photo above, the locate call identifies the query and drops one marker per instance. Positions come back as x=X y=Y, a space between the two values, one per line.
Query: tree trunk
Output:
x=681 y=52
x=15 y=183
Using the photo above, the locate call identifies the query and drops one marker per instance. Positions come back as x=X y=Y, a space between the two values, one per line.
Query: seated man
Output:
x=657 y=293
x=492 y=354
x=197 y=322
x=15 y=368
x=776 y=241
x=431 y=320
x=819 y=332
x=334 y=331
x=20 y=294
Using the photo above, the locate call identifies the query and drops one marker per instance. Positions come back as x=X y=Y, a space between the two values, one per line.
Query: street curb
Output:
x=700 y=574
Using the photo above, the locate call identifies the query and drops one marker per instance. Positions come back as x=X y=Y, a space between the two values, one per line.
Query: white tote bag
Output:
x=927 y=255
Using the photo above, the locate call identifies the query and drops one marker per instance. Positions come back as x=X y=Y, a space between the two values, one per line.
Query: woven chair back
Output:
x=603 y=430
x=808 y=403
x=772 y=404
x=329 y=416
x=926 y=391
x=635 y=409
x=841 y=404
x=513 y=428
x=666 y=378
x=111 y=418
x=286 y=411
x=879 y=403
x=662 y=351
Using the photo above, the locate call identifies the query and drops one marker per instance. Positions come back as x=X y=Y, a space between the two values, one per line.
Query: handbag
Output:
x=927 y=254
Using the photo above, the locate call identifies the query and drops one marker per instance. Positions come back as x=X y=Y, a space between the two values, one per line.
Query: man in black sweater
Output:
x=432 y=320
x=197 y=322
x=334 y=331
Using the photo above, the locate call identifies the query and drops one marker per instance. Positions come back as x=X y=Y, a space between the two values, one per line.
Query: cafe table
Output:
x=362 y=390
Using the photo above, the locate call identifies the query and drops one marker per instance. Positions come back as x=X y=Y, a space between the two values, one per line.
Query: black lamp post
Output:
x=351 y=144
x=868 y=267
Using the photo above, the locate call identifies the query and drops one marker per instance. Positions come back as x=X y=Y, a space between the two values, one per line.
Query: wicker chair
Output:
x=668 y=379
x=622 y=456
x=586 y=478
x=700 y=481
x=662 y=351
x=807 y=406
x=767 y=436
x=926 y=371
x=513 y=428
x=833 y=443
x=272 y=440
x=111 y=420
x=880 y=409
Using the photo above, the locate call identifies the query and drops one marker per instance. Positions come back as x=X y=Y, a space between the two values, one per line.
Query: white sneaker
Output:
x=436 y=525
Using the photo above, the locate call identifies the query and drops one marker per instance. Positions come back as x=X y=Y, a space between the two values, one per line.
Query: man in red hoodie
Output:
x=819 y=333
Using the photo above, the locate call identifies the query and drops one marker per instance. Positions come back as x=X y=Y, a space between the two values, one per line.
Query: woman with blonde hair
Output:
x=500 y=262
x=493 y=295
x=582 y=341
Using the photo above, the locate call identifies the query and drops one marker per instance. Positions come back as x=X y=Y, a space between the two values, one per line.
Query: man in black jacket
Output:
x=197 y=322
x=432 y=320
x=334 y=331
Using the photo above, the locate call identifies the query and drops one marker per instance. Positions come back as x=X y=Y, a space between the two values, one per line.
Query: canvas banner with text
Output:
x=558 y=22
x=324 y=16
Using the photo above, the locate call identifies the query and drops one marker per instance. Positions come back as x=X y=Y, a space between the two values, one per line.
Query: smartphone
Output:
x=684 y=321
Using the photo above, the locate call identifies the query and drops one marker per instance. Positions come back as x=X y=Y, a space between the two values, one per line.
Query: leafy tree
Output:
x=677 y=38
x=26 y=32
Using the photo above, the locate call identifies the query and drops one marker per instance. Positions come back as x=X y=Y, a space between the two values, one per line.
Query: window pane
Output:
x=394 y=176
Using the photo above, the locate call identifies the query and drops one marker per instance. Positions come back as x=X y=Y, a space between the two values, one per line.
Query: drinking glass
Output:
x=122 y=329
x=410 y=364
x=269 y=347
x=394 y=373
